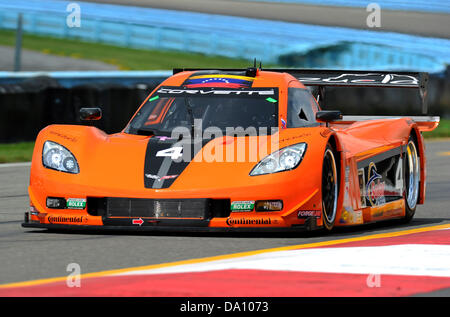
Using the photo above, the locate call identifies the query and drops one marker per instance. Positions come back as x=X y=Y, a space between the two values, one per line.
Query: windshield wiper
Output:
x=152 y=132
x=146 y=131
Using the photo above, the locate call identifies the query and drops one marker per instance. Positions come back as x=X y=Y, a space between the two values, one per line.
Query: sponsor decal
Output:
x=219 y=80
x=41 y=216
x=248 y=221
x=362 y=182
x=391 y=209
x=375 y=187
x=369 y=78
x=242 y=205
x=350 y=216
x=137 y=221
x=309 y=213
x=76 y=203
x=212 y=92
x=160 y=178
x=295 y=137
x=271 y=100
x=64 y=136
x=163 y=137
x=67 y=219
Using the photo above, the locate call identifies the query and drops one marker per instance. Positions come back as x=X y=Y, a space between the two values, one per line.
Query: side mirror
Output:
x=90 y=114
x=328 y=115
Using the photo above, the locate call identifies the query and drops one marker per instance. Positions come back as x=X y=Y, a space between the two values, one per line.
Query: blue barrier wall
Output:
x=437 y=6
x=236 y=37
x=69 y=79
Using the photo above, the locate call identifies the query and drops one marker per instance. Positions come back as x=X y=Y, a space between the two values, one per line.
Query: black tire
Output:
x=412 y=179
x=330 y=188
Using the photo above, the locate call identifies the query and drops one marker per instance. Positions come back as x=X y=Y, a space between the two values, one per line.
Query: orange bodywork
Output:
x=112 y=166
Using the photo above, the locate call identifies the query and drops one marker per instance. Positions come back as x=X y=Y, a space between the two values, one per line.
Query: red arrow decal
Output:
x=137 y=221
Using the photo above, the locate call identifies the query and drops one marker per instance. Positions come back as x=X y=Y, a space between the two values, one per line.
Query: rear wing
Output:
x=345 y=78
x=358 y=78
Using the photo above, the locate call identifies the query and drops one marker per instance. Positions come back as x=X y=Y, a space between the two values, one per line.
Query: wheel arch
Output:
x=336 y=145
x=420 y=144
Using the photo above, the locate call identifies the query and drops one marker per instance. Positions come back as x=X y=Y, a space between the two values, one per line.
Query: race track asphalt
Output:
x=30 y=254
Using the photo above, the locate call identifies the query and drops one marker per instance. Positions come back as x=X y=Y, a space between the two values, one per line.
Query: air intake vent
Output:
x=202 y=208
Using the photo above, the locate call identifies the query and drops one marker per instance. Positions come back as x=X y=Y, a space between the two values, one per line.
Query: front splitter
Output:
x=156 y=228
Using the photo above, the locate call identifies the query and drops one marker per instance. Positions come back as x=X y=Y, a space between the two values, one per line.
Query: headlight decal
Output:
x=57 y=157
x=284 y=159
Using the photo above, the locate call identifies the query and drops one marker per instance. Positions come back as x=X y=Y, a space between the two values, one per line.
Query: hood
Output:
x=133 y=164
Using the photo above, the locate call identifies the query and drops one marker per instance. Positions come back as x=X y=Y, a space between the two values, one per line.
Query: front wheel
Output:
x=330 y=188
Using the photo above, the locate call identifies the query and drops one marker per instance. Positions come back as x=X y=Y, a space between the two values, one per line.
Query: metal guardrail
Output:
x=307 y=45
x=437 y=6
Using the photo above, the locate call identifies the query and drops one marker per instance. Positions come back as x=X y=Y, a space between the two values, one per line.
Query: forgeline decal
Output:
x=67 y=219
x=249 y=221
x=375 y=187
x=309 y=213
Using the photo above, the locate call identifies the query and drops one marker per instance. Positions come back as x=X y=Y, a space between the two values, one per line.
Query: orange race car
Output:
x=234 y=150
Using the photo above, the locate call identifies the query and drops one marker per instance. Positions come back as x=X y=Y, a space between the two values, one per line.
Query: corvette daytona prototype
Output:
x=235 y=150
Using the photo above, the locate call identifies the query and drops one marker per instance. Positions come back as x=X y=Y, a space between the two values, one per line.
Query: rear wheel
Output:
x=330 y=190
x=412 y=179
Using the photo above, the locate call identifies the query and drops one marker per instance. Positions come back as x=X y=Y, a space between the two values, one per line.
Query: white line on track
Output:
x=405 y=259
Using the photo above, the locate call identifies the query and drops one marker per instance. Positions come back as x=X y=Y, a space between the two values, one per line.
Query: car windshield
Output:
x=173 y=107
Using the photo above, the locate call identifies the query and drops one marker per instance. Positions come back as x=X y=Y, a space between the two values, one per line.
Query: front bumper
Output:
x=175 y=215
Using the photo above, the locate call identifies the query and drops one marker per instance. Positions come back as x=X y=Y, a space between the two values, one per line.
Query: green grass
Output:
x=123 y=57
x=16 y=152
